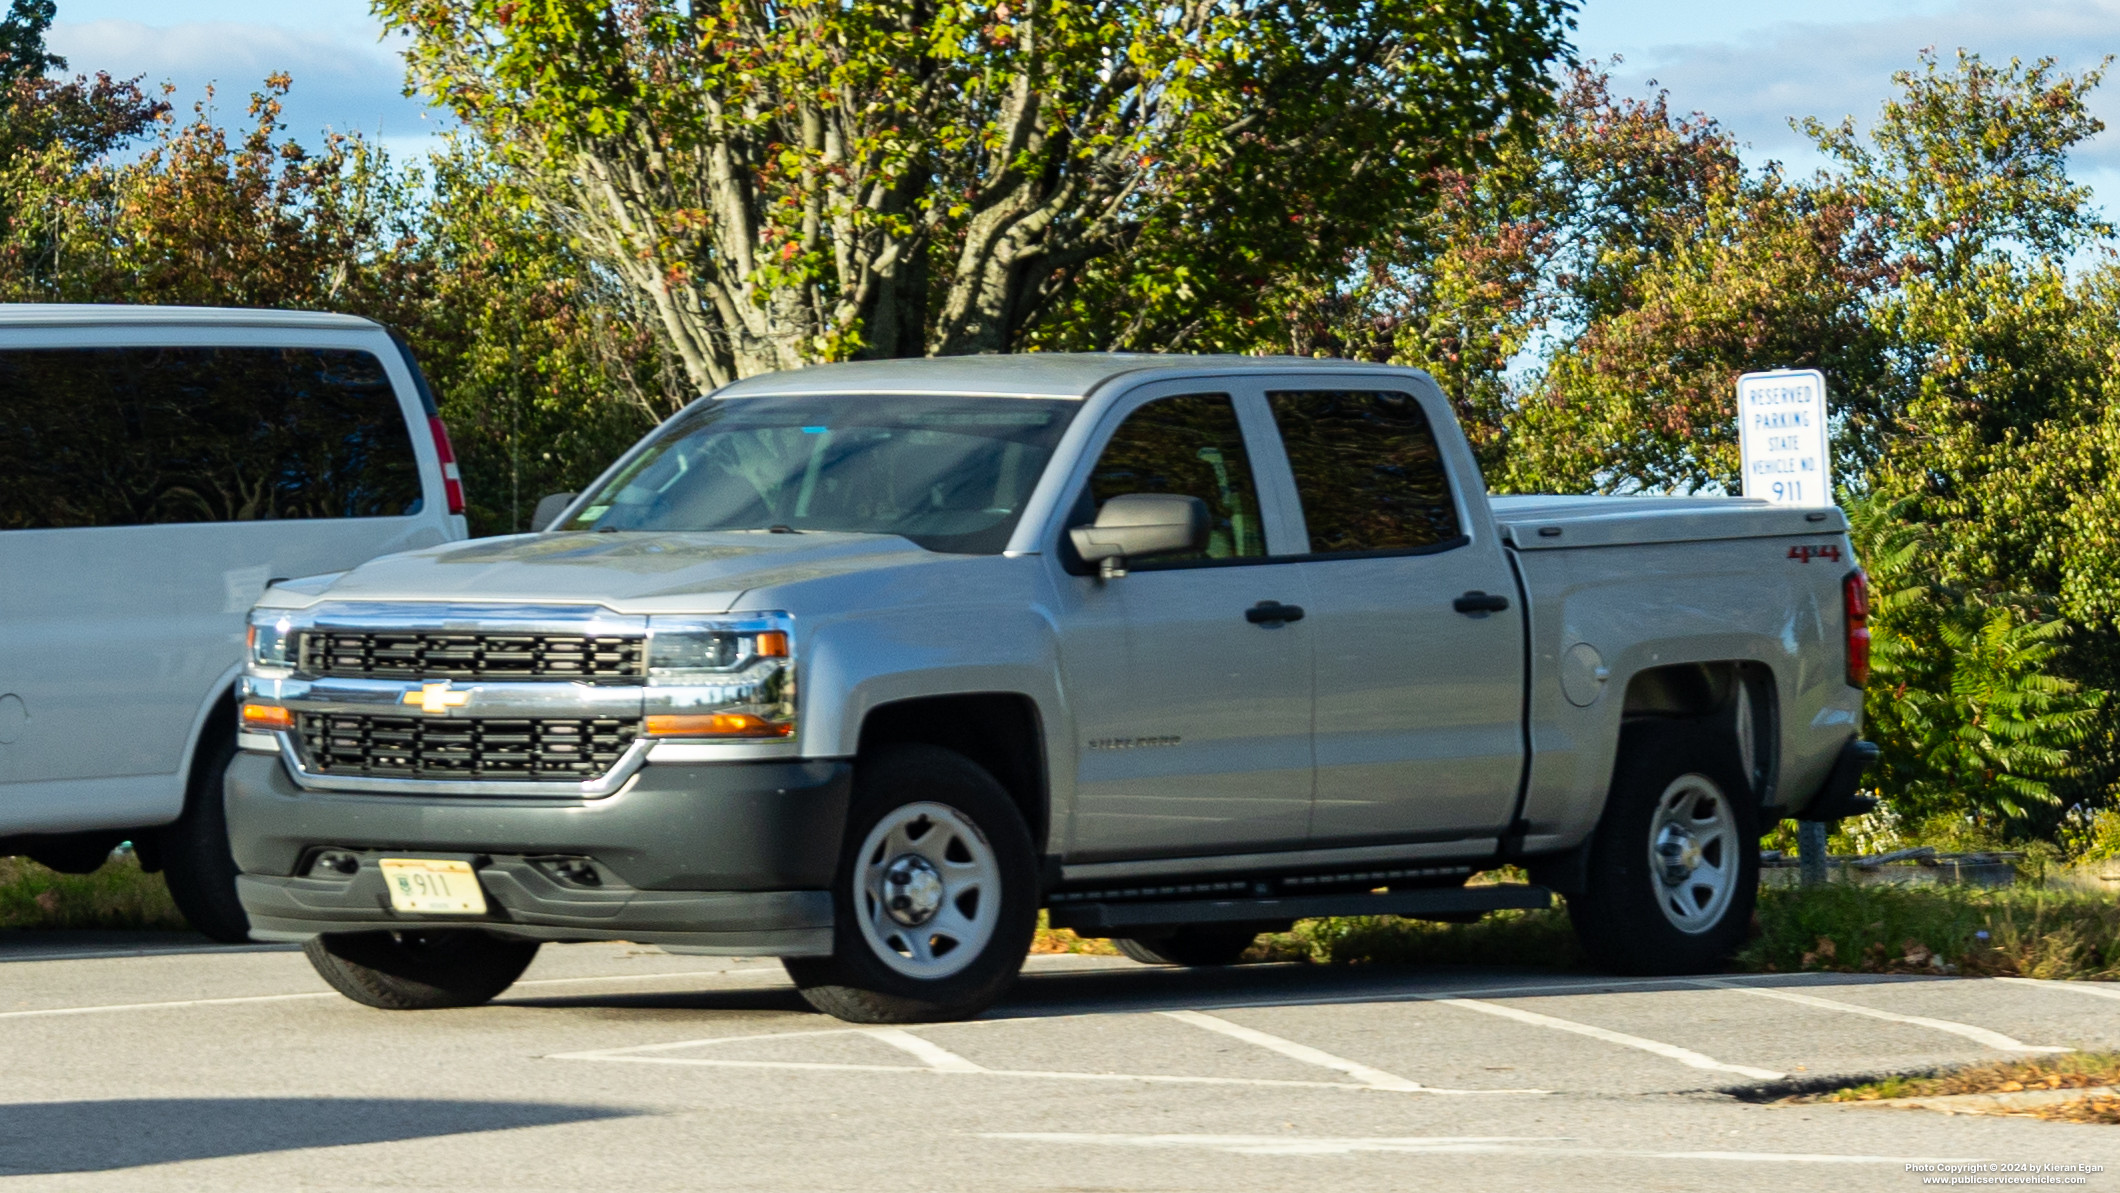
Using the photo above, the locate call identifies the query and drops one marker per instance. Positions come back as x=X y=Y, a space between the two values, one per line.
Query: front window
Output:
x=951 y=474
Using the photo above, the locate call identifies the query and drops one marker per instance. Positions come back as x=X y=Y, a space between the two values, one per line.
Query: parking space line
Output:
x=1979 y=1035
x=938 y=1058
x=2094 y=989
x=166 y=1006
x=1521 y=1145
x=1684 y=1056
x=180 y=1004
x=613 y=1053
x=1374 y=1078
x=618 y=1057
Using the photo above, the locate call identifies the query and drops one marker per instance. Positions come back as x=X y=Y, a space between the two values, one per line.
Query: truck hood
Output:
x=626 y=572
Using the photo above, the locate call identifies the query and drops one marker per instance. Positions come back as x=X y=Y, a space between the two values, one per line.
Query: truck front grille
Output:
x=418 y=654
x=468 y=748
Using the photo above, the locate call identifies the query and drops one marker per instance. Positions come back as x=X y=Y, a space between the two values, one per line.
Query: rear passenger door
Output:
x=1414 y=615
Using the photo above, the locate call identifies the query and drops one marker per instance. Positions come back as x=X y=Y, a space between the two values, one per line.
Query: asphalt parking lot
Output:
x=134 y=1063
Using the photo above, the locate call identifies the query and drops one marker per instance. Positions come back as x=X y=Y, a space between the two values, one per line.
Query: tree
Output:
x=544 y=369
x=783 y=183
x=22 y=52
x=1968 y=696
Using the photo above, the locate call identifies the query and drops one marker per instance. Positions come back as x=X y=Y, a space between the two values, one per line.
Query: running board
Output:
x=1107 y=919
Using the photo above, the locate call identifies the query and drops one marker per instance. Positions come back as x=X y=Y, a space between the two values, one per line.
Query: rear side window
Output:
x=1193 y=446
x=141 y=436
x=1368 y=471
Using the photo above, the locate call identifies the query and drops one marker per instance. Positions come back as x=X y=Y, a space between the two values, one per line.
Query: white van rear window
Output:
x=136 y=436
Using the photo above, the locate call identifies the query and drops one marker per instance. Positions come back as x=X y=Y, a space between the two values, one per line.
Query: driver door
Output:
x=1192 y=721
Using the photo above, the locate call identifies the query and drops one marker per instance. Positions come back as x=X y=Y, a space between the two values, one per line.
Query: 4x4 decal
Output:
x=1807 y=554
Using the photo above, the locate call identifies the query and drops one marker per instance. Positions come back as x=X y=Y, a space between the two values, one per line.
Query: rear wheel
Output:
x=418 y=969
x=935 y=902
x=1194 y=944
x=1674 y=866
x=196 y=861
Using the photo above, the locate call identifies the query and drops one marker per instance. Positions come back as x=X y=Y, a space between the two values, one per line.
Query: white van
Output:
x=159 y=466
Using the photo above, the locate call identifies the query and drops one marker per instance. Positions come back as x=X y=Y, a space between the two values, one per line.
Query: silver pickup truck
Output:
x=863 y=666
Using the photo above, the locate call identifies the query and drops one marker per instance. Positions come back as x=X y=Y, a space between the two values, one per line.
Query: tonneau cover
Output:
x=1548 y=523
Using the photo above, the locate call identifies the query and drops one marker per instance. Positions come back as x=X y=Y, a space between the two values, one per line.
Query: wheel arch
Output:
x=1001 y=731
x=1734 y=700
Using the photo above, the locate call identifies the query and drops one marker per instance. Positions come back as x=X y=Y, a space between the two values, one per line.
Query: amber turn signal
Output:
x=720 y=724
x=267 y=717
x=773 y=644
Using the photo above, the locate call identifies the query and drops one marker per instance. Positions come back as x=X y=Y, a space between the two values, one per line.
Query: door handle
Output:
x=1480 y=602
x=1271 y=613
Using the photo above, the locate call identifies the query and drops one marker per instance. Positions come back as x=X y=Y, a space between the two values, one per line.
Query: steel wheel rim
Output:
x=1693 y=854
x=927 y=891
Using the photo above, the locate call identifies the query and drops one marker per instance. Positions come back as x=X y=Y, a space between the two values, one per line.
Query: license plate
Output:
x=432 y=887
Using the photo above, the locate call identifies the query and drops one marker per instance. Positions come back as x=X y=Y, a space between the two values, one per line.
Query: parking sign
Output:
x=1781 y=436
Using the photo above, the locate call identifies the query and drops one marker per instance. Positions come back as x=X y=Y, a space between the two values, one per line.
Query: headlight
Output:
x=721 y=677
x=271 y=639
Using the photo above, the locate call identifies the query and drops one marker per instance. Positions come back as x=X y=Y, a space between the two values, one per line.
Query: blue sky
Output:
x=1750 y=65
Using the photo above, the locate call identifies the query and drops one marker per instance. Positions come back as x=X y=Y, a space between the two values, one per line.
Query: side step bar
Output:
x=1107 y=919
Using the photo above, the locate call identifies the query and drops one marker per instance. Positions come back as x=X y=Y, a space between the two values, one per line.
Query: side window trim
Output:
x=1280 y=507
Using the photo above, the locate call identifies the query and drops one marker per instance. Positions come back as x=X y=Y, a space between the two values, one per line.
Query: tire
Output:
x=419 y=970
x=1674 y=864
x=936 y=898
x=196 y=862
x=1194 y=945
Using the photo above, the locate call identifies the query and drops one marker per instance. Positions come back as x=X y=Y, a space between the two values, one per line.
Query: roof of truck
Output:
x=52 y=314
x=1020 y=375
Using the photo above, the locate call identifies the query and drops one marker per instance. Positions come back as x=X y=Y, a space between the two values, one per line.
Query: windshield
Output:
x=951 y=474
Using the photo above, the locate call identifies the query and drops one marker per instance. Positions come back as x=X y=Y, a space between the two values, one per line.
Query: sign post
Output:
x=1781 y=436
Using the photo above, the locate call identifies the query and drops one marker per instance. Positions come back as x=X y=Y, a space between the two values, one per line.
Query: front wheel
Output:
x=420 y=969
x=1674 y=865
x=935 y=901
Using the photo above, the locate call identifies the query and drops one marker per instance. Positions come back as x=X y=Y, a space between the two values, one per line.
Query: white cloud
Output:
x=1845 y=69
x=343 y=80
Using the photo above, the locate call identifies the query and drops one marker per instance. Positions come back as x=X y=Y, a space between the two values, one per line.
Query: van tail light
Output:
x=1855 y=594
x=452 y=480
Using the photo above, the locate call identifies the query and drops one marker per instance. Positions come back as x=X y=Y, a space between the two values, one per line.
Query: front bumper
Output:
x=719 y=857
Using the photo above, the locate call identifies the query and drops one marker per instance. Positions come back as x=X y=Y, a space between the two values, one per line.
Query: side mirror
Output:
x=549 y=508
x=1139 y=525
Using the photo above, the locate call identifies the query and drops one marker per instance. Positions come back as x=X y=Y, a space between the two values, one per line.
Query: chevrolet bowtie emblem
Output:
x=436 y=699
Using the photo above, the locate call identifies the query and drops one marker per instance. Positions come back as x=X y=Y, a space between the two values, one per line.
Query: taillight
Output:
x=452 y=480
x=1855 y=595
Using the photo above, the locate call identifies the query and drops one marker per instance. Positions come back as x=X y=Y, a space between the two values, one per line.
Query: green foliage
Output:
x=1966 y=695
x=22 y=52
x=1971 y=161
x=543 y=376
x=794 y=182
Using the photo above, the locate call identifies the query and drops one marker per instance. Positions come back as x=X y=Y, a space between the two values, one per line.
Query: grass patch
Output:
x=1535 y=938
x=2022 y=931
x=2075 y=1070
x=1064 y=940
x=2065 y=1070
x=120 y=895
